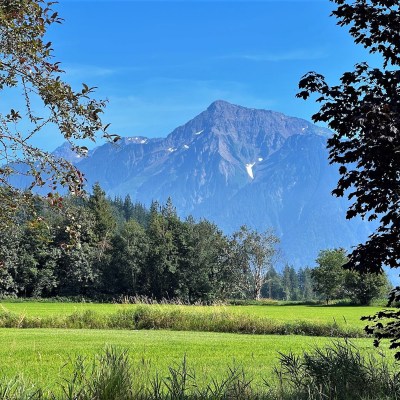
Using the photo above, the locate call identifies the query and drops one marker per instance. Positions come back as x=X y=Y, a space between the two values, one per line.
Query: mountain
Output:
x=235 y=166
x=65 y=152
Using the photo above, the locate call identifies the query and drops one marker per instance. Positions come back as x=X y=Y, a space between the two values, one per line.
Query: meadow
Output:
x=314 y=314
x=45 y=355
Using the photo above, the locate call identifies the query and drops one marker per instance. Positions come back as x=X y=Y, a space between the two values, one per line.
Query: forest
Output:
x=109 y=249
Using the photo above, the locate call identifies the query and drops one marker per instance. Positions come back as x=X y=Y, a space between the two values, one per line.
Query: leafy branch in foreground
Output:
x=43 y=103
x=363 y=111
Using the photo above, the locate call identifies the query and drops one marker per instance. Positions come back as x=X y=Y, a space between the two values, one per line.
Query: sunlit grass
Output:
x=342 y=315
x=41 y=354
x=44 y=309
x=182 y=318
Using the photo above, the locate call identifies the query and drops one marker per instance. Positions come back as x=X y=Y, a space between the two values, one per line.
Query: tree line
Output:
x=327 y=281
x=104 y=249
x=101 y=248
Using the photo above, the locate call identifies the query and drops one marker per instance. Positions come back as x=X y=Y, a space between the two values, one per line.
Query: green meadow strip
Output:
x=339 y=371
x=343 y=315
x=181 y=319
x=41 y=354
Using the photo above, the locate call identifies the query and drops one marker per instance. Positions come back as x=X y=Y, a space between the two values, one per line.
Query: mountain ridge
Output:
x=236 y=165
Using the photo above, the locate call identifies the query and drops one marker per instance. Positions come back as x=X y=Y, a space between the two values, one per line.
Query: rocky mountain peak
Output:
x=222 y=106
x=65 y=151
x=240 y=124
x=237 y=165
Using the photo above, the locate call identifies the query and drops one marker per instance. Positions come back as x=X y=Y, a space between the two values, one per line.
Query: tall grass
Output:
x=336 y=372
x=179 y=318
x=339 y=371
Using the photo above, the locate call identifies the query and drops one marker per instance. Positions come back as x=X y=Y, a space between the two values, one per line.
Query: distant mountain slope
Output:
x=236 y=165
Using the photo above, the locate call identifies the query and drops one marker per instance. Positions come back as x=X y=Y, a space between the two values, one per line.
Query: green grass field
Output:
x=43 y=309
x=343 y=315
x=41 y=354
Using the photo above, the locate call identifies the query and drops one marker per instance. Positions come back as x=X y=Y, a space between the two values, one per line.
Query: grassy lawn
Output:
x=42 y=354
x=43 y=309
x=343 y=315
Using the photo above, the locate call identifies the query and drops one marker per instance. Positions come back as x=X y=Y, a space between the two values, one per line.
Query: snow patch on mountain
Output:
x=249 y=169
x=136 y=140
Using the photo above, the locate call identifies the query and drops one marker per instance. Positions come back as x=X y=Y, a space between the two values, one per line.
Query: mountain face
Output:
x=234 y=166
x=65 y=152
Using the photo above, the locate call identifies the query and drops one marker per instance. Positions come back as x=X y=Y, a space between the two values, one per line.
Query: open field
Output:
x=167 y=335
x=41 y=354
x=343 y=315
x=44 y=309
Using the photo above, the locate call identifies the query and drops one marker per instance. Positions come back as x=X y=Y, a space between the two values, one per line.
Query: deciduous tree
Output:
x=362 y=288
x=258 y=250
x=328 y=276
x=28 y=69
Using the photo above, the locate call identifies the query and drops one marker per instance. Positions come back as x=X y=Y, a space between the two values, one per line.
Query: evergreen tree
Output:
x=273 y=286
x=103 y=230
x=77 y=272
x=141 y=214
x=294 y=285
x=305 y=284
x=38 y=259
x=104 y=221
x=287 y=282
x=128 y=257
x=128 y=208
x=163 y=258
x=101 y=209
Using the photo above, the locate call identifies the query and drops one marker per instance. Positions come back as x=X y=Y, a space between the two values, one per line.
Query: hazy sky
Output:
x=160 y=63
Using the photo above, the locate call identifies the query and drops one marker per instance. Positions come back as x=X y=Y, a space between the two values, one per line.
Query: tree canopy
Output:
x=328 y=276
x=151 y=253
x=363 y=112
x=331 y=281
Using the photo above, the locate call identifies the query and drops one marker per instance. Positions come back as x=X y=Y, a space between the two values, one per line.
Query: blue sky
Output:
x=160 y=63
